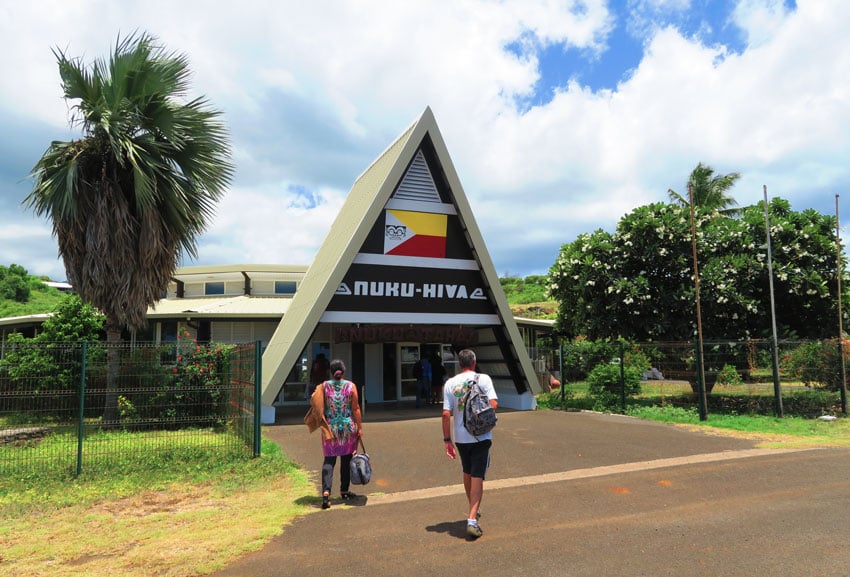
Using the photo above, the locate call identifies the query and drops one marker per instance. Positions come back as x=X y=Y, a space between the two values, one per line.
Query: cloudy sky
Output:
x=560 y=116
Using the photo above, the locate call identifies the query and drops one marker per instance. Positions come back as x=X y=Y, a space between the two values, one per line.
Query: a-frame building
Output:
x=403 y=272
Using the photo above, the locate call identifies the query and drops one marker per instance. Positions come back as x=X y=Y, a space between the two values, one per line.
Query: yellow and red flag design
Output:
x=408 y=233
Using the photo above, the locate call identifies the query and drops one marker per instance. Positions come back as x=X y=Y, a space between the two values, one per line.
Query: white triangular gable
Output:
x=395 y=221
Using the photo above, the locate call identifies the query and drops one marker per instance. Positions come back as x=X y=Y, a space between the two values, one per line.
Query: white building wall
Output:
x=263 y=331
x=262 y=287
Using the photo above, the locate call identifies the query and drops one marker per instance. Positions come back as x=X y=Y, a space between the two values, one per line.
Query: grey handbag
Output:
x=361 y=467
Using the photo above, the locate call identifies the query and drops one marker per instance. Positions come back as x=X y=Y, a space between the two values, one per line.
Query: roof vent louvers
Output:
x=417 y=183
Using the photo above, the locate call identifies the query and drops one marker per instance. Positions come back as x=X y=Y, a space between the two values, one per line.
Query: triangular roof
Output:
x=401 y=175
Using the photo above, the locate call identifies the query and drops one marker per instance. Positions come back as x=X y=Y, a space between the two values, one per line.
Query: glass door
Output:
x=447 y=357
x=408 y=355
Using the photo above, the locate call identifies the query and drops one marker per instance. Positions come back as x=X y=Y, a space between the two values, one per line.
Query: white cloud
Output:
x=314 y=91
x=760 y=19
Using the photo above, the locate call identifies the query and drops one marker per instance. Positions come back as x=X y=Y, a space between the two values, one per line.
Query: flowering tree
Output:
x=638 y=282
x=199 y=379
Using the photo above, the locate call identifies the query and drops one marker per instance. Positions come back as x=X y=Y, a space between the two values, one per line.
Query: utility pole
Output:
x=777 y=390
x=703 y=400
x=840 y=312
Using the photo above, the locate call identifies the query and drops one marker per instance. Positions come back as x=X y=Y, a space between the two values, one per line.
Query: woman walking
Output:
x=341 y=408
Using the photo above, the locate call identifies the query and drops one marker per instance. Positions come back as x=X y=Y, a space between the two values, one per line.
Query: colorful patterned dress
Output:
x=338 y=399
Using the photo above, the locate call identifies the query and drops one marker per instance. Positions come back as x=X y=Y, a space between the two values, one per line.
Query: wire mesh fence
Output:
x=806 y=378
x=69 y=407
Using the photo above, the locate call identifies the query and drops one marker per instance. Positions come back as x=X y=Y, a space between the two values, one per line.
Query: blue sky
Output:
x=560 y=116
x=631 y=26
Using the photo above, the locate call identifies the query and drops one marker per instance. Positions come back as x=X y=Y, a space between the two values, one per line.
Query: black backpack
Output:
x=479 y=417
x=418 y=369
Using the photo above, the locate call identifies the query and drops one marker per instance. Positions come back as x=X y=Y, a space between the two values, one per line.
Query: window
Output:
x=284 y=287
x=168 y=332
x=214 y=288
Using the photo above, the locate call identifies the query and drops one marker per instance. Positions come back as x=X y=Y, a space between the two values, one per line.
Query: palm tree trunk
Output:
x=113 y=341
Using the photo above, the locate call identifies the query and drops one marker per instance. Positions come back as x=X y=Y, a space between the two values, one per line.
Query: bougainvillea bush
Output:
x=198 y=382
x=817 y=363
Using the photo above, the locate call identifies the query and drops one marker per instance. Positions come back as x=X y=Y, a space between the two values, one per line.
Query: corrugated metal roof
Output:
x=25 y=320
x=543 y=323
x=237 y=306
x=239 y=272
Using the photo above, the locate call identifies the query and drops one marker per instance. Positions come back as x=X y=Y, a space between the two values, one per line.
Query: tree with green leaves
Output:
x=46 y=362
x=15 y=283
x=638 y=283
x=710 y=191
x=141 y=183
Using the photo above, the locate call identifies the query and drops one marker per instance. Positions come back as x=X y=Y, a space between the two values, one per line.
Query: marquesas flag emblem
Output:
x=408 y=233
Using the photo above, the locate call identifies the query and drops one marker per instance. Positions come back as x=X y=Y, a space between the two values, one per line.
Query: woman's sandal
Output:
x=326 y=500
x=348 y=495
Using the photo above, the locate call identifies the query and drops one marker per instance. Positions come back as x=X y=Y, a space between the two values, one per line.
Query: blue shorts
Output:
x=475 y=457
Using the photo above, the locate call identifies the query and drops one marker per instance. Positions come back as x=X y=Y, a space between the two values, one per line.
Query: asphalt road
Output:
x=580 y=494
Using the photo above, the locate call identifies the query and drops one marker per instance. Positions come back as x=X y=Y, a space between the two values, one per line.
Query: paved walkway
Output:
x=570 y=494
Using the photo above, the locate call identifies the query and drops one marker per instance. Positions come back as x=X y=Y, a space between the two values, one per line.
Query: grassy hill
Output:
x=22 y=294
x=527 y=297
x=43 y=299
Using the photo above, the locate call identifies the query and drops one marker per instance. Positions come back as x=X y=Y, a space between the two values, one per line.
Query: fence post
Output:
x=842 y=375
x=81 y=418
x=258 y=399
x=703 y=401
x=622 y=379
x=561 y=370
x=777 y=388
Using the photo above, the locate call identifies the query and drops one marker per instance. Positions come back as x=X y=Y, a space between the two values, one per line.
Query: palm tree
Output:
x=137 y=189
x=709 y=191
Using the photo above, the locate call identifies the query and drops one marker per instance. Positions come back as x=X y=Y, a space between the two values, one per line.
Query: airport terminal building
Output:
x=402 y=274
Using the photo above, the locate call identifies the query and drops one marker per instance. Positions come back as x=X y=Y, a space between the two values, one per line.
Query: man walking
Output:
x=474 y=451
x=422 y=372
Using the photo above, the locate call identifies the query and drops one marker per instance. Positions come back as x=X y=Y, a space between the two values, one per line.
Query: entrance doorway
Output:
x=410 y=353
x=399 y=382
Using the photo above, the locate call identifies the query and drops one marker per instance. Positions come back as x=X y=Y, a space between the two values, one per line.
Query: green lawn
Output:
x=746 y=410
x=151 y=516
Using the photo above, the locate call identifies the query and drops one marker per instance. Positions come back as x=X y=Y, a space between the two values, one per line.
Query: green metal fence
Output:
x=73 y=407
x=745 y=376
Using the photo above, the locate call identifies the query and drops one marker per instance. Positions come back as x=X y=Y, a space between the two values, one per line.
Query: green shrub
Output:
x=728 y=375
x=816 y=363
x=812 y=403
x=51 y=362
x=581 y=355
x=605 y=387
x=637 y=357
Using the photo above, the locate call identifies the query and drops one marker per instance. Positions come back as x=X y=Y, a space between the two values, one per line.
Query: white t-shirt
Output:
x=453 y=392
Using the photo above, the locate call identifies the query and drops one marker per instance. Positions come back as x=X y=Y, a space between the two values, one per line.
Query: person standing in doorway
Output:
x=474 y=451
x=438 y=377
x=339 y=403
x=318 y=372
x=422 y=372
